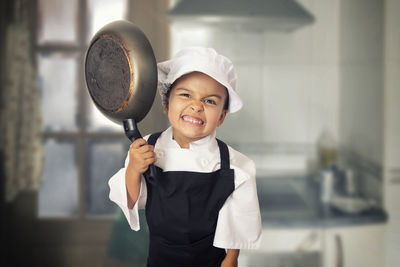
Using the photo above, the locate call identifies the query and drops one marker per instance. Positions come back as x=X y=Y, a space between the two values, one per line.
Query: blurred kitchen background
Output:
x=320 y=80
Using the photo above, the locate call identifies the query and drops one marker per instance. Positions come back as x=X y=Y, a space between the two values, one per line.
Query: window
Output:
x=82 y=148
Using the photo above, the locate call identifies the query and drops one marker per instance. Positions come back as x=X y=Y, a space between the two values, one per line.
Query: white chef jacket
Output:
x=239 y=219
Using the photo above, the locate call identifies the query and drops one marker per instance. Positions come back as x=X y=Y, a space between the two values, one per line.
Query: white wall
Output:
x=361 y=78
x=392 y=130
x=289 y=81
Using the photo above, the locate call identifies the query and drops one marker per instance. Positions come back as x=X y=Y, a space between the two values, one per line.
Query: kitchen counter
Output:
x=293 y=202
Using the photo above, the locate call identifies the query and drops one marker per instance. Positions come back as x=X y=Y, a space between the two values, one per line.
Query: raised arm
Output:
x=141 y=155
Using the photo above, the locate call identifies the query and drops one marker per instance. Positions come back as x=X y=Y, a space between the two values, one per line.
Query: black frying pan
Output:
x=121 y=75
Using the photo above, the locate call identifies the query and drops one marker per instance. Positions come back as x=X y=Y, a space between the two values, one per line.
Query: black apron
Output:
x=182 y=211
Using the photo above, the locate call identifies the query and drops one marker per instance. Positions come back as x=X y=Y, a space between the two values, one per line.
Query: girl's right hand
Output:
x=141 y=155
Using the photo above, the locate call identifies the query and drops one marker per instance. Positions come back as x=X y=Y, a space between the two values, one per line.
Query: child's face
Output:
x=195 y=107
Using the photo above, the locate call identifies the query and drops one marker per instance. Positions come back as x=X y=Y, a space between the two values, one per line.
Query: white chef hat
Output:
x=205 y=60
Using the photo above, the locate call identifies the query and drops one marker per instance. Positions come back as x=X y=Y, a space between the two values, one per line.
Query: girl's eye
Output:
x=185 y=95
x=209 y=101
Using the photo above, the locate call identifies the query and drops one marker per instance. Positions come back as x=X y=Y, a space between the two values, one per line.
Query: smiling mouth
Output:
x=193 y=120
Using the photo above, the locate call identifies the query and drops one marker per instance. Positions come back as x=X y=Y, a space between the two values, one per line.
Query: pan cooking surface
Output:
x=108 y=73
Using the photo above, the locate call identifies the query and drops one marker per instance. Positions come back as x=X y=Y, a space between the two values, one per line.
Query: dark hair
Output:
x=226 y=104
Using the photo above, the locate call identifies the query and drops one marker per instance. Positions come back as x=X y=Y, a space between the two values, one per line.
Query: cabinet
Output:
x=285 y=248
x=353 y=246
x=347 y=246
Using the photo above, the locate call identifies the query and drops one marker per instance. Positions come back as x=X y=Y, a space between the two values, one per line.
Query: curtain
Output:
x=20 y=111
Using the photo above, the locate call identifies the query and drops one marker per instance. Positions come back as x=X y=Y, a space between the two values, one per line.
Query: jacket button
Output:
x=160 y=154
x=204 y=162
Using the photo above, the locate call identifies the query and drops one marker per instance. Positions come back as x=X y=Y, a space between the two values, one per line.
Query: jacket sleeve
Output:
x=239 y=220
x=118 y=194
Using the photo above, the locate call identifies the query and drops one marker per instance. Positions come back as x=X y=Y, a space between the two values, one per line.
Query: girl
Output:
x=202 y=206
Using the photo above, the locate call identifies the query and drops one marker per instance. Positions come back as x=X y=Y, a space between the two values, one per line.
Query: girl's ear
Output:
x=222 y=117
x=165 y=109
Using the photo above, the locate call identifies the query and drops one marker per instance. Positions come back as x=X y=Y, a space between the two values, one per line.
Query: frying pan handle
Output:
x=132 y=132
x=131 y=129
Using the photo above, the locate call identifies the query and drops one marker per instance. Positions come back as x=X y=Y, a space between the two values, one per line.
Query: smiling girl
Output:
x=202 y=207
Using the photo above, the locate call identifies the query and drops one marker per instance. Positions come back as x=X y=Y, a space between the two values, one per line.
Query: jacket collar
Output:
x=207 y=142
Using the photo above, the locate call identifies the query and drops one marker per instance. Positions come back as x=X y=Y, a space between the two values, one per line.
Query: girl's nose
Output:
x=197 y=106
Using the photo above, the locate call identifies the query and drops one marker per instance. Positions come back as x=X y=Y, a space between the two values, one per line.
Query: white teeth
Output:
x=192 y=120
